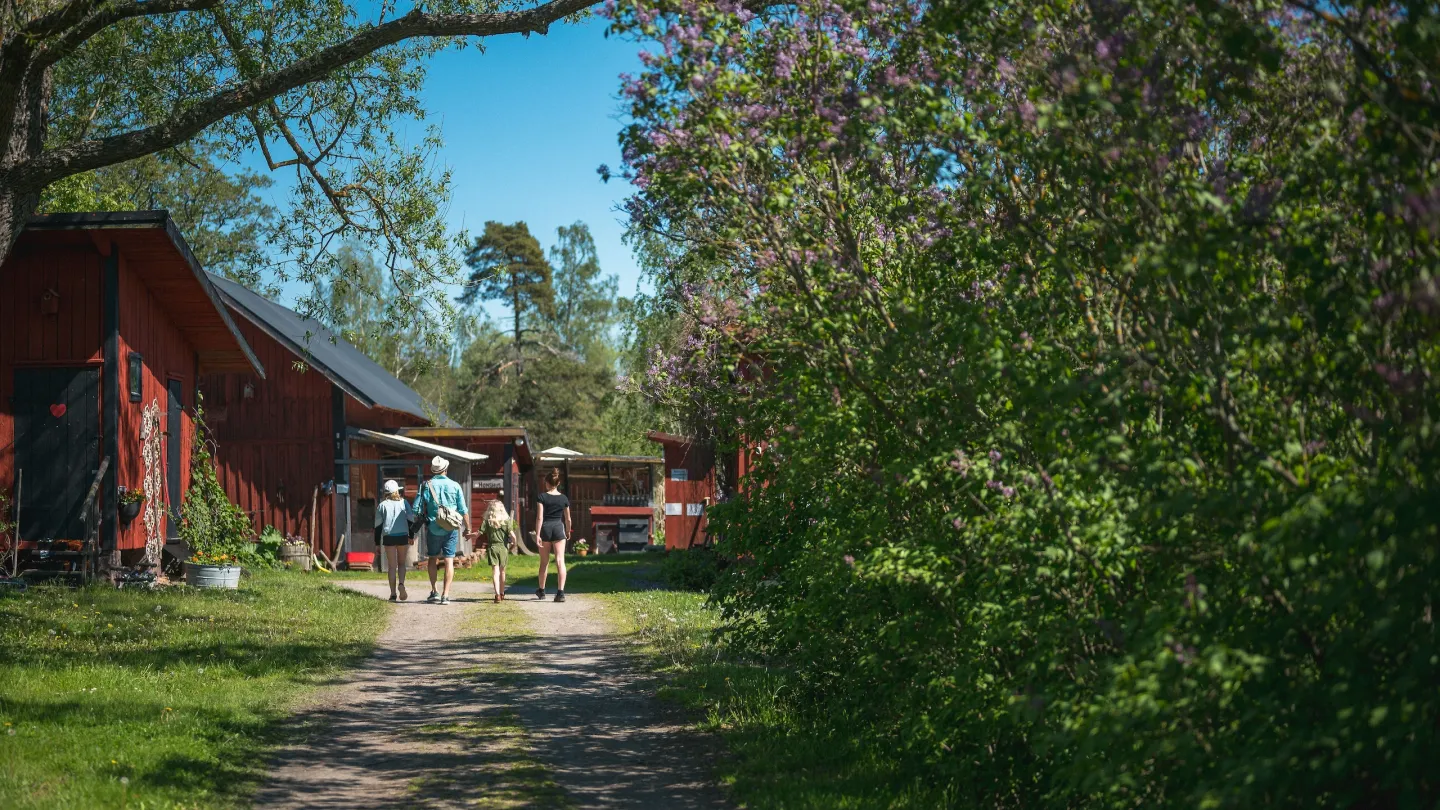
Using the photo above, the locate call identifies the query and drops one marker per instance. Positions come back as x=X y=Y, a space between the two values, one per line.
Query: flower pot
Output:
x=295 y=555
x=212 y=576
x=129 y=511
x=582 y=551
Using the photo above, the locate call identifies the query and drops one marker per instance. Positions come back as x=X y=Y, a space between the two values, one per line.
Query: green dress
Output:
x=497 y=539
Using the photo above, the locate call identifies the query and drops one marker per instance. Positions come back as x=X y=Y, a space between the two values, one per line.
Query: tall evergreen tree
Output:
x=507 y=264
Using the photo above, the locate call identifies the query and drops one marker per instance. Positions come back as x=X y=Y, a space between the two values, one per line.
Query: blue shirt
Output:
x=447 y=493
x=392 y=517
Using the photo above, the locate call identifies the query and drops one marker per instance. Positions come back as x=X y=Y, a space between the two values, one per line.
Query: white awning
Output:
x=415 y=445
x=559 y=452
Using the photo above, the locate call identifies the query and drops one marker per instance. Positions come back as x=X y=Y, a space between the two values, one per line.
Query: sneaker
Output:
x=444 y=600
x=540 y=593
x=392 y=597
x=559 y=596
x=404 y=597
x=434 y=597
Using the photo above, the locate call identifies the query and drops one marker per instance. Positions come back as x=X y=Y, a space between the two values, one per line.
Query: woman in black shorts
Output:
x=552 y=529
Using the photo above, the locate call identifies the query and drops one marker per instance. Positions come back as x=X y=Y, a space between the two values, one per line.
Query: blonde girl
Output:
x=392 y=523
x=499 y=532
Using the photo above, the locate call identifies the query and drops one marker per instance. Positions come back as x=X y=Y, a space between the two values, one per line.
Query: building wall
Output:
x=698 y=462
x=166 y=355
x=274 y=449
x=70 y=337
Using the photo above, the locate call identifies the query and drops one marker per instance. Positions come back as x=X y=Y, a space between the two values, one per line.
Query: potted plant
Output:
x=582 y=548
x=216 y=530
x=130 y=502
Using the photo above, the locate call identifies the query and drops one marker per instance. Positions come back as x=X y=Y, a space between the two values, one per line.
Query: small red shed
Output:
x=106 y=322
x=689 y=488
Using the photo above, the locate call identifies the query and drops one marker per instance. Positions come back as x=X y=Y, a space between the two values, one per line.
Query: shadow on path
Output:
x=556 y=715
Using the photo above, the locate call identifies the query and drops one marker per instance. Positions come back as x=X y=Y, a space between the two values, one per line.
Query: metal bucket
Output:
x=212 y=576
x=292 y=556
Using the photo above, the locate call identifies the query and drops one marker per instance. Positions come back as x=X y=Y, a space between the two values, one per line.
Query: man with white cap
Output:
x=441 y=501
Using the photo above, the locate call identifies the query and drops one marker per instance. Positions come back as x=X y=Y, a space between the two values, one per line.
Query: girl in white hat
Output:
x=392 y=523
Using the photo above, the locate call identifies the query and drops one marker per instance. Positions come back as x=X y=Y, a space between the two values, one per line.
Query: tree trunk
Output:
x=519 y=359
x=25 y=139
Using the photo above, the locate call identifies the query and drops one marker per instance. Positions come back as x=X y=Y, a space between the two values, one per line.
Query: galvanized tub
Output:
x=212 y=576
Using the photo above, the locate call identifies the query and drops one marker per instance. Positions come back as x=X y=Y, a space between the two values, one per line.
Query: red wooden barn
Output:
x=303 y=450
x=106 y=322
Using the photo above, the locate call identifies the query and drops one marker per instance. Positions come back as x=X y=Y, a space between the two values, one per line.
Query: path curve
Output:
x=446 y=714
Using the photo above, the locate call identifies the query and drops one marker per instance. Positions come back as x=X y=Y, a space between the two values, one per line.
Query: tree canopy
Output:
x=1087 y=356
x=320 y=89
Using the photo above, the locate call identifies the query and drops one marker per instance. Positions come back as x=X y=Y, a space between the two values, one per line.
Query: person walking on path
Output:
x=499 y=533
x=392 y=524
x=442 y=506
x=552 y=529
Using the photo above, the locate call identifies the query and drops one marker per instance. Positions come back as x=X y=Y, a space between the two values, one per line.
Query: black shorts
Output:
x=552 y=531
x=396 y=540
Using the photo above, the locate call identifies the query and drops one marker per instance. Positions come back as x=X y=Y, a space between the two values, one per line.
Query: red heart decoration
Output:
x=57 y=411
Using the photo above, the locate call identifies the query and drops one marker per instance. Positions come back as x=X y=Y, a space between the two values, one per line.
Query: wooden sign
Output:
x=488 y=483
x=680 y=475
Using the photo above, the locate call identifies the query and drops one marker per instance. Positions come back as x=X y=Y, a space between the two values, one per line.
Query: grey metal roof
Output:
x=331 y=355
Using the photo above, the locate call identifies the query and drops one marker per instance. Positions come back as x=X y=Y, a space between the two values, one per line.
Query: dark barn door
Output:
x=173 y=495
x=57 y=448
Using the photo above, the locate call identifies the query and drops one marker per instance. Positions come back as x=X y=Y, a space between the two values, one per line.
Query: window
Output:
x=136 y=379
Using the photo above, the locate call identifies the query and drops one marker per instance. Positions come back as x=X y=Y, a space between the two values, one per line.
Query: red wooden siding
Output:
x=698 y=461
x=70 y=337
x=166 y=355
x=275 y=448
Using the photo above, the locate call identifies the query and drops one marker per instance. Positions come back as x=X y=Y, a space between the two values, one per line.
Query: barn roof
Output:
x=328 y=353
x=154 y=249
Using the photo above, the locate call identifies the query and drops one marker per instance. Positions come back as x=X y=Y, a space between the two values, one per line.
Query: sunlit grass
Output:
x=113 y=698
x=780 y=760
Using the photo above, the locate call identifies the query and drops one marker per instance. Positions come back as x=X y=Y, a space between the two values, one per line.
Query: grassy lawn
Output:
x=163 y=699
x=778 y=759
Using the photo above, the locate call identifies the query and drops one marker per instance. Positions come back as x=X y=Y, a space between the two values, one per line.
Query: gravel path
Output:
x=526 y=704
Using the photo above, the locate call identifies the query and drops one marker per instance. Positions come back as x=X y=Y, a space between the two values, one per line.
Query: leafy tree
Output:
x=372 y=322
x=1092 y=350
x=221 y=214
x=317 y=88
x=507 y=264
x=586 y=303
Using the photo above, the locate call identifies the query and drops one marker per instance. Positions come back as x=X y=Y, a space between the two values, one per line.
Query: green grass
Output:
x=131 y=698
x=779 y=759
x=609 y=573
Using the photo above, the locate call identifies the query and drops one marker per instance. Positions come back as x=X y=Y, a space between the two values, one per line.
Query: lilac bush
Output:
x=1099 y=396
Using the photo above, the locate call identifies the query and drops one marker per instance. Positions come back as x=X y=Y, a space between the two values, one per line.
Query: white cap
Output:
x=391 y=487
x=438 y=466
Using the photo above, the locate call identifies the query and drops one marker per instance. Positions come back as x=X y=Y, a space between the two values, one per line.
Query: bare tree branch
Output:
x=55 y=164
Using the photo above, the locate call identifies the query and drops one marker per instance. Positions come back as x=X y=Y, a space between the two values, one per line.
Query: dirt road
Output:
x=526 y=704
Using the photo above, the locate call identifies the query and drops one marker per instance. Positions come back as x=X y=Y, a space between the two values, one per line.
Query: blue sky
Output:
x=525 y=125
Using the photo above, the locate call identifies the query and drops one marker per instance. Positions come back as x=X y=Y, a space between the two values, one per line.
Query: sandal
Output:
x=497 y=598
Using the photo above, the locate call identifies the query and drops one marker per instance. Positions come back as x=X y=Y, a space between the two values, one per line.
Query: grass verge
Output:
x=132 y=698
x=780 y=758
x=609 y=573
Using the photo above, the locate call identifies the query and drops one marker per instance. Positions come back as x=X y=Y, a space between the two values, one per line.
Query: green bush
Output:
x=1092 y=351
x=694 y=569
x=217 y=531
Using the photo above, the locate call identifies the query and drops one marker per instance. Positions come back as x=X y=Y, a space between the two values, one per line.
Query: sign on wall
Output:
x=672 y=509
x=487 y=483
x=694 y=509
x=681 y=474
